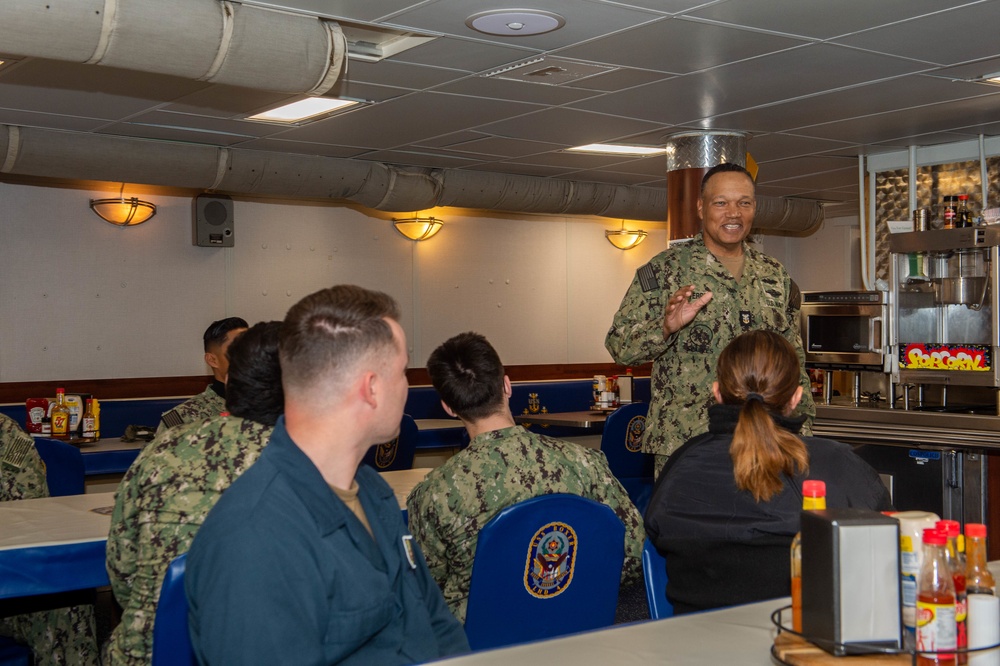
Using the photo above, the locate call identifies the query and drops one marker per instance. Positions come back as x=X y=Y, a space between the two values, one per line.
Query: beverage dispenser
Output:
x=943 y=312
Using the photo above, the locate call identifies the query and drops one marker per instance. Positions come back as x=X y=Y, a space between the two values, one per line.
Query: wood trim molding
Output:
x=155 y=387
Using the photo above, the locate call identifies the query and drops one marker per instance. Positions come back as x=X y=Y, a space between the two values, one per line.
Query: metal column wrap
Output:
x=703 y=150
x=689 y=157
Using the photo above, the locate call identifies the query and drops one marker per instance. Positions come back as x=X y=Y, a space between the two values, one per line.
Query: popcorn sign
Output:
x=923 y=356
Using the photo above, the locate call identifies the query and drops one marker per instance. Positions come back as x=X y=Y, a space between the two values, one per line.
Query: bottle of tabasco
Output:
x=60 y=416
x=955 y=554
x=813 y=499
x=88 y=425
x=978 y=578
x=936 y=629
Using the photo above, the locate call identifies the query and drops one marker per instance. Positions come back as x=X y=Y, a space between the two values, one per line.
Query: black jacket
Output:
x=724 y=548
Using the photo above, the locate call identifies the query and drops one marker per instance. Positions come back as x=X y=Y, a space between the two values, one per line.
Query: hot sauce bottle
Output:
x=813 y=499
x=60 y=416
x=936 y=629
x=955 y=554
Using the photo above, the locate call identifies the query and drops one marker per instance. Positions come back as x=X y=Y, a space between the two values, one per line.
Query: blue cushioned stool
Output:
x=545 y=567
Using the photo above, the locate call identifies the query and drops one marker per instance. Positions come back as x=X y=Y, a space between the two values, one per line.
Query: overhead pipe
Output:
x=30 y=151
x=200 y=40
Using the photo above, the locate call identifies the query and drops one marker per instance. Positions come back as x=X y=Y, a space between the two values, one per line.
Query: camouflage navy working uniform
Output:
x=500 y=468
x=61 y=636
x=206 y=405
x=161 y=502
x=684 y=364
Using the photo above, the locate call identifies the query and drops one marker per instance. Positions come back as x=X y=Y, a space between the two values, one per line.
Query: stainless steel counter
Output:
x=923 y=442
x=907 y=428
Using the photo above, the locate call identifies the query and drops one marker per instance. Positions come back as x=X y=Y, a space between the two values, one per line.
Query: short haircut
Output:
x=327 y=332
x=253 y=387
x=726 y=167
x=217 y=331
x=467 y=373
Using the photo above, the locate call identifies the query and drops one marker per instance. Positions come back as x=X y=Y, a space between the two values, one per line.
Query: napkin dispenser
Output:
x=850 y=581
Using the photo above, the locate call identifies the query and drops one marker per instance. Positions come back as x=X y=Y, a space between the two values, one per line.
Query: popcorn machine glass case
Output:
x=943 y=327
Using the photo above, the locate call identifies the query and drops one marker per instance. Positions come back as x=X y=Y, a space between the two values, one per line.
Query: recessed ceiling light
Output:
x=304 y=109
x=515 y=22
x=617 y=149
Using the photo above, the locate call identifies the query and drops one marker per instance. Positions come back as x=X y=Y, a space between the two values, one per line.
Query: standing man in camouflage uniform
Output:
x=503 y=465
x=167 y=492
x=212 y=401
x=60 y=637
x=691 y=300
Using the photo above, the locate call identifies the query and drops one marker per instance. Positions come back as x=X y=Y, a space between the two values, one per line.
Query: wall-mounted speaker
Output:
x=213 y=221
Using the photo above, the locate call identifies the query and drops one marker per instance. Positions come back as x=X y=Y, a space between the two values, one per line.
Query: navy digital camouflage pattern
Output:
x=684 y=364
x=64 y=636
x=500 y=468
x=206 y=405
x=160 y=504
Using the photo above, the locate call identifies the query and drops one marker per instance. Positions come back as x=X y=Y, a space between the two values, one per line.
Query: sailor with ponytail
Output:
x=726 y=505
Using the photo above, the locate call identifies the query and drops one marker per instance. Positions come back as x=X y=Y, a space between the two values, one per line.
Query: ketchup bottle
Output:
x=936 y=630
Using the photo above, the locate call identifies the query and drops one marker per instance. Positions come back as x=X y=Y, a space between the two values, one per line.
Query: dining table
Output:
x=57 y=544
x=588 y=420
x=108 y=455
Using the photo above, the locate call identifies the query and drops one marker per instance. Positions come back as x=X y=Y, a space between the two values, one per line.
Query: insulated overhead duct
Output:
x=201 y=40
x=29 y=151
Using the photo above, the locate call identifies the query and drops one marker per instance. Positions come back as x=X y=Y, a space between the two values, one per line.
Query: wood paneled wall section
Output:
x=152 y=387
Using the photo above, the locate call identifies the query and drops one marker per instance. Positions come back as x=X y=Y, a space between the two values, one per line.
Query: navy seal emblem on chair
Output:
x=551 y=558
x=633 y=433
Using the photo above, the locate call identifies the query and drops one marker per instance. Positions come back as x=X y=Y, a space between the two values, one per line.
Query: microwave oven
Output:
x=845 y=330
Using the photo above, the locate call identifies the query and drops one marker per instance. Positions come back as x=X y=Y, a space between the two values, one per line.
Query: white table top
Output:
x=54 y=520
x=65 y=520
x=739 y=635
x=403 y=481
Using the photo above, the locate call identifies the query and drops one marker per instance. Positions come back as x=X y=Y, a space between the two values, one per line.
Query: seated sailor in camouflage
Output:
x=167 y=492
x=63 y=635
x=503 y=465
x=212 y=401
x=691 y=300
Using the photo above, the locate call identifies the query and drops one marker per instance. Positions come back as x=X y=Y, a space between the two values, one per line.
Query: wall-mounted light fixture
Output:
x=123 y=212
x=417 y=228
x=625 y=239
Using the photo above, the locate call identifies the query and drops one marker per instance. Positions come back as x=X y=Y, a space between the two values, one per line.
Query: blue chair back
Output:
x=13 y=653
x=654 y=571
x=621 y=444
x=397 y=454
x=64 y=471
x=171 y=640
x=544 y=567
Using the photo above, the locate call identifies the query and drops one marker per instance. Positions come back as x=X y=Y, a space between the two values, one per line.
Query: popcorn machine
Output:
x=943 y=321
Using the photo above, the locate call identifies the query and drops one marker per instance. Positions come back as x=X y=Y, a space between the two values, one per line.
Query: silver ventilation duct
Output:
x=201 y=40
x=28 y=151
